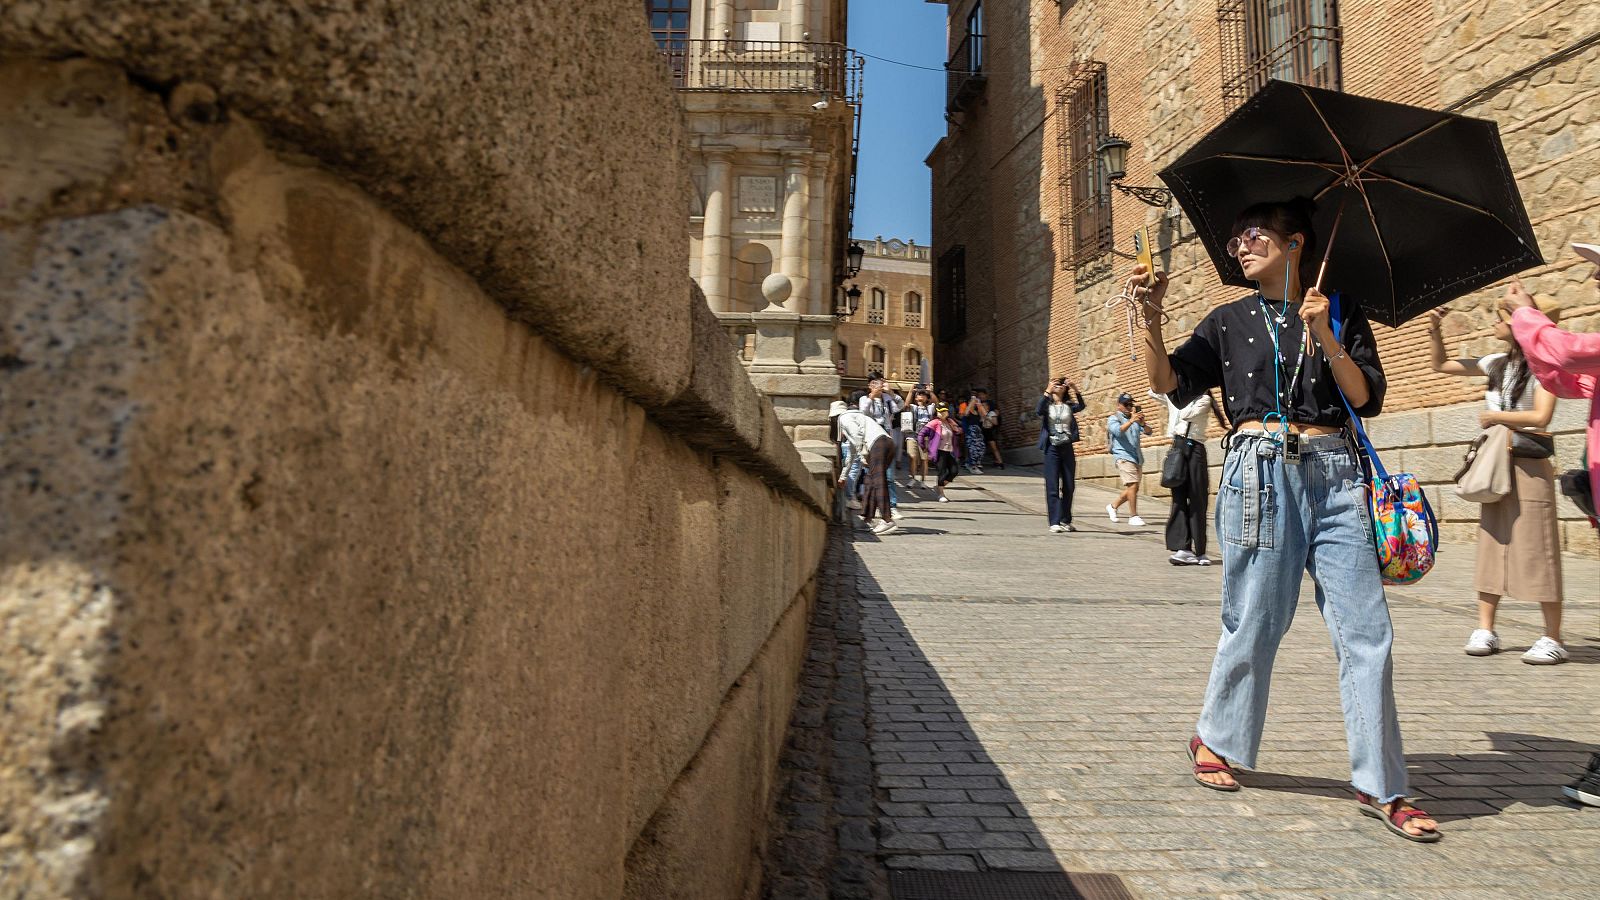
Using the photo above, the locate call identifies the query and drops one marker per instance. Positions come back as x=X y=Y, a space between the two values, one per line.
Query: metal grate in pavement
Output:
x=910 y=884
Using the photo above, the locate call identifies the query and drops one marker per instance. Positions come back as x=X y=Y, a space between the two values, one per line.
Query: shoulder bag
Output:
x=1485 y=475
x=1172 y=469
x=1405 y=532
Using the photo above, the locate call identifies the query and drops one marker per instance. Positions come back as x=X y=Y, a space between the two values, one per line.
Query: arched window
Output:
x=877 y=309
x=913 y=366
x=913 y=310
x=875 y=360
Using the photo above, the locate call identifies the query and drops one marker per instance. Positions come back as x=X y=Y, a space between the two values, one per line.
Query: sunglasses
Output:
x=1252 y=239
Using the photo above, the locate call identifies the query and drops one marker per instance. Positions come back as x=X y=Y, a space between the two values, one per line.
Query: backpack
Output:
x=1405 y=532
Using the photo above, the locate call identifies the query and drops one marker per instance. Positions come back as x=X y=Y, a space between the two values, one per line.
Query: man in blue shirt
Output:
x=1124 y=429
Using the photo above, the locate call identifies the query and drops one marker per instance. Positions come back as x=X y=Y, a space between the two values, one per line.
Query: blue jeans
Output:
x=1060 y=477
x=1277 y=520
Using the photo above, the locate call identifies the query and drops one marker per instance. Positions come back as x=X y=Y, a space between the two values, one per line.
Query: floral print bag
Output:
x=1405 y=532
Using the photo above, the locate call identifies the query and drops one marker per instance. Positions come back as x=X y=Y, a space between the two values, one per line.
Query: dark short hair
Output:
x=855 y=397
x=1286 y=217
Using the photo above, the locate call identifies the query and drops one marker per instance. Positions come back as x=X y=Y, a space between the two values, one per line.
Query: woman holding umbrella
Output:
x=1292 y=500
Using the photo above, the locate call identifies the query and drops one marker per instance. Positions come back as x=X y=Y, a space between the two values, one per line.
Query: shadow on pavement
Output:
x=1523 y=768
x=945 y=804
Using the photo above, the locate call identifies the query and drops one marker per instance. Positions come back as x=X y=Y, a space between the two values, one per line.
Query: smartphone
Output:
x=1141 y=250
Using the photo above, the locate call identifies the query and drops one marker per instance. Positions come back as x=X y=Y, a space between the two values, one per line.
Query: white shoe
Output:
x=1183 y=558
x=885 y=527
x=1545 y=652
x=944 y=499
x=1057 y=529
x=1202 y=560
x=1135 y=522
x=1068 y=528
x=1112 y=512
x=896 y=515
x=1483 y=642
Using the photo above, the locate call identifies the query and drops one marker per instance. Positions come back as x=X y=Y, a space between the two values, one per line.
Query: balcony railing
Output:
x=964 y=76
x=766 y=67
x=874 y=317
x=913 y=320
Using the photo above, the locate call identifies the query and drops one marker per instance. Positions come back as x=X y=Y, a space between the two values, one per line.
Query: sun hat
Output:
x=837 y=407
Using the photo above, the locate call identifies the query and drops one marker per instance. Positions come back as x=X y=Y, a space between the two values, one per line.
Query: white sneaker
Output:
x=1068 y=528
x=1183 y=558
x=885 y=527
x=944 y=499
x=1135 y=522
x=1483 y=642
x=1202 y=560
x=1057 y=529
x=1112 y=512
x=1545 y=652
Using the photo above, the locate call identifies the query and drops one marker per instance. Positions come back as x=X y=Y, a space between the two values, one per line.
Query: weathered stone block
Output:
x=1401 y=429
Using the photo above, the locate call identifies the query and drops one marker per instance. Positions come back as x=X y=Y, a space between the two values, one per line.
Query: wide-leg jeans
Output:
x=1278 y=519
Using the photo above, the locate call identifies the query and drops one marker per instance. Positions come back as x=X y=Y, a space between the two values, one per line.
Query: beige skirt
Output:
x=1519 y=540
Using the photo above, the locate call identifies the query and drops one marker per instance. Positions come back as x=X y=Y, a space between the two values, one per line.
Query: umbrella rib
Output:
x=1438 y=196
x=1349 y=164
x=1248 y=157
x=1378 y=233
x=1366 y=164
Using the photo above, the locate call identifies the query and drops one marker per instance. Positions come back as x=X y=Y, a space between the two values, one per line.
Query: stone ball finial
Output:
x=776 y=288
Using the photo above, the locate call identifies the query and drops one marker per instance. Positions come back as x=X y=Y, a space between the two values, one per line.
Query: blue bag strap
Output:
x=1337 y=320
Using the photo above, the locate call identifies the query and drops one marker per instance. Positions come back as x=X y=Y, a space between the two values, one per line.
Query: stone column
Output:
x=819 y=280
x=716 y=243
x=722 y=21
x=796 y=203
x=802 y=21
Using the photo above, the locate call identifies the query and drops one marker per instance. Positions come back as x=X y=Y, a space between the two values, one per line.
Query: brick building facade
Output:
x=890 y=333
x=1027 y=231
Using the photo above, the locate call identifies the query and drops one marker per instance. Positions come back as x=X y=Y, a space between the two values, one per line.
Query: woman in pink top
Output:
x=1567 y=364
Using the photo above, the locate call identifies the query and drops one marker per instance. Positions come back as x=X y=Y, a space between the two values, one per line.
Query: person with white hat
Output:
x=869 y=441
x=1519 y=536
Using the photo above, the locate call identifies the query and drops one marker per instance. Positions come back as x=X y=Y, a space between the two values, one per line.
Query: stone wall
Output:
x=356 y=542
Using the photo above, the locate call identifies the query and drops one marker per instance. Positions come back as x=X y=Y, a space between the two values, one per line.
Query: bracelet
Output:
x=1335 y=359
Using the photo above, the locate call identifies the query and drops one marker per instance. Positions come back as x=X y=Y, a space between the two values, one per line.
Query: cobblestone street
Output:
x=1028 y=695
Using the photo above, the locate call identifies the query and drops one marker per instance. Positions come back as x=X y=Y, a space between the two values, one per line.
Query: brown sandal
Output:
x=1207 y=768
x=1396 y=818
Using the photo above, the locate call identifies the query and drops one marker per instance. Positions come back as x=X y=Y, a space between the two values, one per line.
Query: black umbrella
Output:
x=1430 y=210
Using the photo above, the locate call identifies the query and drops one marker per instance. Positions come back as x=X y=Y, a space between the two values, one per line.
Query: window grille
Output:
x=950 y=295
x=913 y=366
x=913 y=313
x=1083 y=122
x=1290 y=40
x=879 y=307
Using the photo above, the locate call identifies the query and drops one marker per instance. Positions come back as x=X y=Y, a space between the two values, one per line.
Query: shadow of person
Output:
x=1521 y=768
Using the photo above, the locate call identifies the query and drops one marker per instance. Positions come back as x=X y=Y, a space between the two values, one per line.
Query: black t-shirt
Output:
x=1232 y=347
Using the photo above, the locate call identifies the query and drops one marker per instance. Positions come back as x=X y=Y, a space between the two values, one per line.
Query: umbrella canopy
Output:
x=1430 y=210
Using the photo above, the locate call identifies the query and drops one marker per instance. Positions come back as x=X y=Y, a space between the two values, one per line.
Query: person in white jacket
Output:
x=1186 y=522
x=869 y=441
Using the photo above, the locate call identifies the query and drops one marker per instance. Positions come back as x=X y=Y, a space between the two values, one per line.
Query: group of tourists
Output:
x=880 y=435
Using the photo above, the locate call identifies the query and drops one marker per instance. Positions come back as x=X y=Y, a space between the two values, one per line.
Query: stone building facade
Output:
x=890 y=333
x=771 y=95
x=1029 y=236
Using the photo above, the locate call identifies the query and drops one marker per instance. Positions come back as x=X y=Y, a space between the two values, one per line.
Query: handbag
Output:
x=1173 y=473
x=1405 y=532
x=1485 y=475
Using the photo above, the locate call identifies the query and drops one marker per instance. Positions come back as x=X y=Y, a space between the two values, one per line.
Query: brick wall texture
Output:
x=996 y=188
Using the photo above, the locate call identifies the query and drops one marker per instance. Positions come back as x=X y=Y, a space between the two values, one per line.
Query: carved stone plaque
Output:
x=758 y=194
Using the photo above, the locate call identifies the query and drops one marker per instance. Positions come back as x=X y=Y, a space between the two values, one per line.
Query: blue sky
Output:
x=902 y=117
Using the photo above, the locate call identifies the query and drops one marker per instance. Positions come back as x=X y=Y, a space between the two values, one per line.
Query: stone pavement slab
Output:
x=1029 y=696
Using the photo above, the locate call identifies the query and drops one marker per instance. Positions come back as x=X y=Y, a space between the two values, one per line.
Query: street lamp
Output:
x=854 y=255
x=848 y=304
x=1113 y=151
